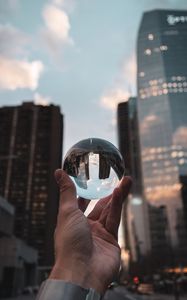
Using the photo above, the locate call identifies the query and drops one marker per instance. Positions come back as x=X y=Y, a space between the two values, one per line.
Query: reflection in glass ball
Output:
x=96 y=166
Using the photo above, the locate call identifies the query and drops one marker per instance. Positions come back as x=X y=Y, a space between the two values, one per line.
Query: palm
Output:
x=106 y=252
x=93 y=235
x=89 y=245
x=92 y=245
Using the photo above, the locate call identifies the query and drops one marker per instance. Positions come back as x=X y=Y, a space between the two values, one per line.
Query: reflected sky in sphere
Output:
x=95 y=166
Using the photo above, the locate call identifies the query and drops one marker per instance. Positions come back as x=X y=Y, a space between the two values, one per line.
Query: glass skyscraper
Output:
x=162 y=110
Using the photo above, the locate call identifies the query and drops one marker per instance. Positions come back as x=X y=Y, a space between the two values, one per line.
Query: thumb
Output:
x=68 y=195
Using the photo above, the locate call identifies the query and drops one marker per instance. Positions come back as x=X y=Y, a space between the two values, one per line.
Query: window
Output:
x=163 y=47
x=150 y=36
x=147 y=52
x=141 y=74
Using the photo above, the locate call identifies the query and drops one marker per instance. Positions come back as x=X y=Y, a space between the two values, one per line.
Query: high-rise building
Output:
x=128 y=140
x=30 y=151
x=136 y=214
x=159 y=237
x=162 y=112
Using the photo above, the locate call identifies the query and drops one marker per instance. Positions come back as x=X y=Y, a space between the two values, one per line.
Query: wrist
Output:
x=74 y=275
x=60 y=289
x=79 y=276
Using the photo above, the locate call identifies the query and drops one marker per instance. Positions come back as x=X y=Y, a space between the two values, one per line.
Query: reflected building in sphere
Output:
x=30 y=151
x=162 y=112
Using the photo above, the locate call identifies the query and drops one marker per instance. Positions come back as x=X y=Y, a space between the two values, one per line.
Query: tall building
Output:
x=159 y=237
x=162 y=107
x=128 y=140
x=136 y=214
x=30 y=151
x=18 y=261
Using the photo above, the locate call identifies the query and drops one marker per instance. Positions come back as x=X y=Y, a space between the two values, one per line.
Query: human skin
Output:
x=86 y=248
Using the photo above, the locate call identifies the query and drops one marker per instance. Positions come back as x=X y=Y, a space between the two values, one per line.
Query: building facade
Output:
x=135 y=216
x=128 y=140
x=162 y=107
x=30 y=151
x=18 y=261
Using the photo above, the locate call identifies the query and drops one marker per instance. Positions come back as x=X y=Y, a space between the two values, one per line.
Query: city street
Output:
x=118 y=293
x=121 y=293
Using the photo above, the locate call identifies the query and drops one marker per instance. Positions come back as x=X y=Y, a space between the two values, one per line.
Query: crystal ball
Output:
x=95 y=166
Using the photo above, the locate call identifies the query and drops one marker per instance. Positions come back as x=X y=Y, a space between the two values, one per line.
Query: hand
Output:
x=86 y=248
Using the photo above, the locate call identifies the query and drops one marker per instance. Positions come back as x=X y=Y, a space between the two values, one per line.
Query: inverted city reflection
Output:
x=96 y=166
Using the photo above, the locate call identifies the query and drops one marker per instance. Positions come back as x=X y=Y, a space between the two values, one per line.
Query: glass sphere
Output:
x=95 y=166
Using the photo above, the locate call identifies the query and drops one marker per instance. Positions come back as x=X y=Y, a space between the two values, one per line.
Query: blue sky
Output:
x=79 y=54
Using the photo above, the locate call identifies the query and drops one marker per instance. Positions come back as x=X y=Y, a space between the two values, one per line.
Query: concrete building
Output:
x=18 y=261
x=6 y=218
x=30 y=151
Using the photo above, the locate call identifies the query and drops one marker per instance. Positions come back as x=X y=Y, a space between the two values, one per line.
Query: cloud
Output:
x=41 y=100
x=16 y=74
x=16 y=70
x=113 y=97
x=56 y=31
x=13 y=41
x=57 y=22
x=123 y=87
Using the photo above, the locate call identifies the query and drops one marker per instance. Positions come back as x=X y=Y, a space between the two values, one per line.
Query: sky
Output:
x=78 y=54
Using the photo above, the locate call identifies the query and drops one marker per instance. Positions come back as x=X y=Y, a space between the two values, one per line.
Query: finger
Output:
x=83 y=203
x=98 y=208
x=67 y=189
x=105 y=212
x=118 y=197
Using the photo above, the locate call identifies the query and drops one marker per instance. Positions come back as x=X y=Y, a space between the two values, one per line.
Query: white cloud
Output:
x=16 y=71
x=16 y=74
x=41 y=100
x=57 y=22
x=56 y=33
x=113 y=97
x=123 y=86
